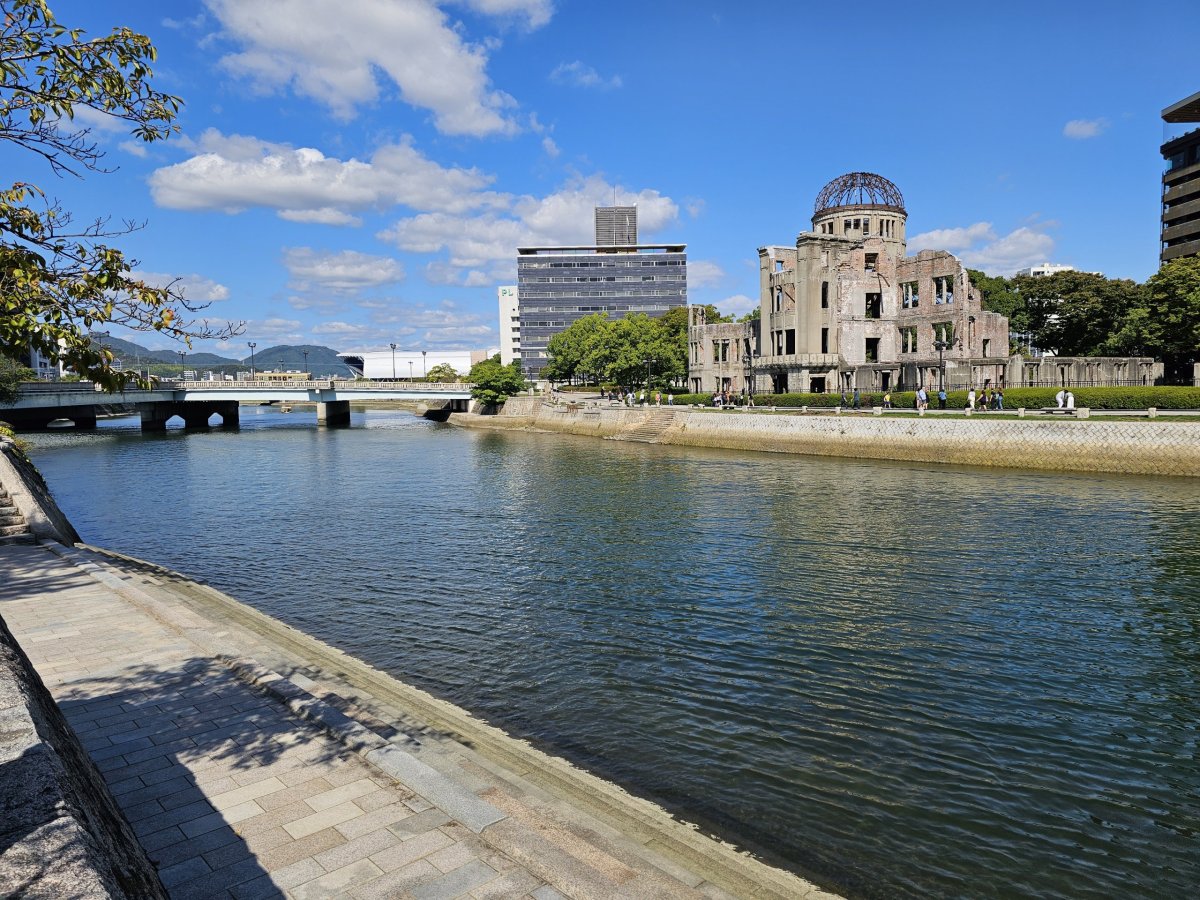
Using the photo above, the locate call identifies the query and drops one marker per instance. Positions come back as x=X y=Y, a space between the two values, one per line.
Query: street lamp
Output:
x=305 y=352
x=424 y=374
x=251 y=345
x=410 y=370
x=941 y=347
x=393 y=346
x=648 y=362
x=182 y=363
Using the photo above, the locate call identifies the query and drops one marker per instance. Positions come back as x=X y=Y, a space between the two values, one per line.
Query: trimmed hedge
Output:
x=1030 y=398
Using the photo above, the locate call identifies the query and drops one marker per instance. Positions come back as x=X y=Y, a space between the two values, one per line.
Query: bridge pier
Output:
x=230 y=413
x=154 y=415
x=335 y=414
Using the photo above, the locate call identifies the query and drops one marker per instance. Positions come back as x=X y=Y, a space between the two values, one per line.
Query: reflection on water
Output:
x=900 y=680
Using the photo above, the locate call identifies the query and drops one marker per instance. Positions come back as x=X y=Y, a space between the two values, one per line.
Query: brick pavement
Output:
x=235 y=794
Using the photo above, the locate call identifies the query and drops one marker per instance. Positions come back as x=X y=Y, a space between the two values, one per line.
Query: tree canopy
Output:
x=59 y=279
x=494 y=381
x=616 y=350
x=442 y=372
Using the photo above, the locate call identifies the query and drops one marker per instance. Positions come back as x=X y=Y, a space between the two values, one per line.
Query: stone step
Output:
x=25 y=538
x=10 y=530
x=11 y=518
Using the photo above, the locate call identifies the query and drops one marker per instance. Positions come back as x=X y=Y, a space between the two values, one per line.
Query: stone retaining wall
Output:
x=32 y=497
x=1095 y=445
x=61 y=834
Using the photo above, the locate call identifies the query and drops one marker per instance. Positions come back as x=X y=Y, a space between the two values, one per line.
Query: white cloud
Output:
x=694 y=206
x=339 y=53
x=185 y=24
x=442 y=272
x=134 y=148
x=345 y=272
x=1082 y=129
x=579 y=74
x=981 y=248
x=550 y=147
x=562 y=218
x=952 y=239
x=194 y=288
x=702 y=273
x=536 y=12
x=737 y=305
x=235 y=172
x=273 y=331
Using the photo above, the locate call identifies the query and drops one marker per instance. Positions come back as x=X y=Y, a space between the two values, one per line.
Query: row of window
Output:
x=532 y=295
x=943 y=292
x=599 y=264
x=618 y=278
x=887 y=228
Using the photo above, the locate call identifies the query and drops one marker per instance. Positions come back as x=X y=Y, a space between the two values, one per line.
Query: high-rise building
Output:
x=510 y=324
x=616 y=226
x=559 y=285
x=1181 y=180
x=1044 y=270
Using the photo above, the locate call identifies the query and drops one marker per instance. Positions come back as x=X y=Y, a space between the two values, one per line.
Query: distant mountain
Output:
x=322 y=361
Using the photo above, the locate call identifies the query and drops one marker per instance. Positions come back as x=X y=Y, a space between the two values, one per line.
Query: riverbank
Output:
x=1090 y=445
x=245 y=753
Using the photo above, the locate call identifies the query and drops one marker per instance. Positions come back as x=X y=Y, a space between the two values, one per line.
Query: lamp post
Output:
x=410 y=370
x=251 y=345
x=393 y=346
x=182 y=363
x=424 y=374
x=648 y=363
x=306 y=372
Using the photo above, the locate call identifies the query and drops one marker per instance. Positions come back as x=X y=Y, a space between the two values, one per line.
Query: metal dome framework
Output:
x=859 y=189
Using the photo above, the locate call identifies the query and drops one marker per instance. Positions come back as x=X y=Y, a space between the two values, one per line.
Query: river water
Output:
x=896 y=679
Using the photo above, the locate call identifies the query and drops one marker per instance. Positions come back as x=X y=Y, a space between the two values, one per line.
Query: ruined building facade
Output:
x=846 y=308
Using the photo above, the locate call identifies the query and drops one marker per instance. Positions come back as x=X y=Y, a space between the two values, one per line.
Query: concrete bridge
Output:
x=196 y=402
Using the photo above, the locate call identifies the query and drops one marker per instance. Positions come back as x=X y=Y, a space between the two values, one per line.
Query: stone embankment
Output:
x=1153 y=447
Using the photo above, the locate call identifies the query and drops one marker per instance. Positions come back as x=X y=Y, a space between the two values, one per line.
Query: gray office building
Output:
x=1181 y=180
x=559 y=285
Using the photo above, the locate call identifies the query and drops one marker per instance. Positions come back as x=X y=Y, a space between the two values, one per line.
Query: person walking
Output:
x=971 y=398
x=941 y=398
x=1070 y=399
x=1061 y=397
x=857 y=399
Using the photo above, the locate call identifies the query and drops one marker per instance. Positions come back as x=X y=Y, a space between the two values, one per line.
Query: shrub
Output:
x=1030 y=398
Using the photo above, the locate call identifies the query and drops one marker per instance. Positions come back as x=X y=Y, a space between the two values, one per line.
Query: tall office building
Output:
x=1181 y=180
x=617 y=276
x=616 y=226
x=510 y=324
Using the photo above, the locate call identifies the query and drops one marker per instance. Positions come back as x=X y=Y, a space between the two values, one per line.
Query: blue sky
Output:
x=361 y=172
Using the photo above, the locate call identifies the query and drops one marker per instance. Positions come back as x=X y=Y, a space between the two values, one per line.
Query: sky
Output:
x=359 y=173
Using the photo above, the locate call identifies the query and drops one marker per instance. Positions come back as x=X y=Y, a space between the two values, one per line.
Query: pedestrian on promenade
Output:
x=857 y=399
x=971 y=398
x=658 y=398
x=1061 y=397
x=1000 y=400
x=670 y=399
x=941 y=398
x=845 y=402
x=1070 y=399
x=887 y=399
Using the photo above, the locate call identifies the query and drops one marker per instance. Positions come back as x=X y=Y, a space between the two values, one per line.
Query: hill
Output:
x=322 y=361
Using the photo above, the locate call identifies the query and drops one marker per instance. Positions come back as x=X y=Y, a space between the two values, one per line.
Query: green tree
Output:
x=442 y=372
x=1077 y=313
x=1171 y=326
x=577 y=350
x=12 y=373
x=495 y=382
x=59 y=280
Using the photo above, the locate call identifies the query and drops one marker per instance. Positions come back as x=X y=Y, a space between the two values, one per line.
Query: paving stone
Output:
x=357 y=849
x=378 y=818
x=342 y=794
x=455 y=883
x=291 y=851
x=506 y=886
x=397 y=883
x=190 y=868
x=411 y=850
x=337 y=881
x=326 y=818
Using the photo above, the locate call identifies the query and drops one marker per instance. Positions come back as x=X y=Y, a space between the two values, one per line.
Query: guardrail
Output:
x=87 y=387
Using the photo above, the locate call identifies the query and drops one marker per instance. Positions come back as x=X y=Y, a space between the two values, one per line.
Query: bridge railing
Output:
x=324 y=384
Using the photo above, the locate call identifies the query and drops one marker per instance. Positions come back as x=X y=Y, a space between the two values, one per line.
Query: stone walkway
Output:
x=240 y=782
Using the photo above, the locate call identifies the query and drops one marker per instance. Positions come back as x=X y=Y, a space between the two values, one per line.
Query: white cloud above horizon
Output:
x=703 y=273
x=354 y=54
x=192 y=287
x=345 y=272
x=580 y=74
x=980 y=247
x=1082 y=129
x=737 y=305
x=564 y=217
x=232 y=173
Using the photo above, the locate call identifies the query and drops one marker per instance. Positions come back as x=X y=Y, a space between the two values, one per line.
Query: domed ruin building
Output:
x=846 y=307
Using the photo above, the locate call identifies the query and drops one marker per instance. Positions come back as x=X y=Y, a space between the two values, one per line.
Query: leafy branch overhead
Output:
x=58 y=279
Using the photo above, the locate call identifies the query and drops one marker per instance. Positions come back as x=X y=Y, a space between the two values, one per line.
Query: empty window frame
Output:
x=871 y=350
x=943 y=289
x=873 y=305
x=824 y=295
x=871 y=261
x=910 y=298
x=778 y=299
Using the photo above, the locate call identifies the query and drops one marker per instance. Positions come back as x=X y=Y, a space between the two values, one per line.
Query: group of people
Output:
x=987 y=399
x=721 y=399
x=640 y=398
x=1065 y=399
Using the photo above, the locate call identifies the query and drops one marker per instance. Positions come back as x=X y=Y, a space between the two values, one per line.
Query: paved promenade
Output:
x=247 y=768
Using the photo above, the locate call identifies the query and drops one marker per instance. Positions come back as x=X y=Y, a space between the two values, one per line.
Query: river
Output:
x=896 y=679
